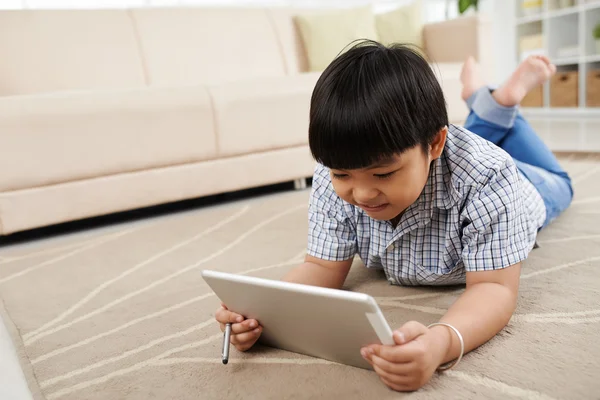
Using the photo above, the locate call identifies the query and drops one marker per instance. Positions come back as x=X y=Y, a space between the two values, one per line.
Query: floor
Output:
x=12 y=381
x=567 y=134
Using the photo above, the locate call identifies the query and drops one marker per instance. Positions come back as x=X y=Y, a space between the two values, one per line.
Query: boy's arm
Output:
x=331 y=237
x=317 y=272
x=495 y=241
x=496 y=238
x=480 y=312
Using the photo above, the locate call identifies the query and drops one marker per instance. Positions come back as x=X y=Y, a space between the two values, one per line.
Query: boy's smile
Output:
x=387 y=188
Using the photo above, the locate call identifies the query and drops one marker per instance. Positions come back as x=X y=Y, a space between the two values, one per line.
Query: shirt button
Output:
x=391 y=247
x=391 y=280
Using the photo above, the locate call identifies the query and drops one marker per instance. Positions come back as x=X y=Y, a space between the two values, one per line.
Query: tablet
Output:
x=319 y=322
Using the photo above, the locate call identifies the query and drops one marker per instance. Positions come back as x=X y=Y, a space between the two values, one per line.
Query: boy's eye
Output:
x=339 y=176
x=384 y=176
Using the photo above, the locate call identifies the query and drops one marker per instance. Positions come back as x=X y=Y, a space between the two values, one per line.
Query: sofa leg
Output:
x=300 y=184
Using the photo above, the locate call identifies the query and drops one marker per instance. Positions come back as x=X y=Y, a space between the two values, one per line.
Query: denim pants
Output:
x=506 y=128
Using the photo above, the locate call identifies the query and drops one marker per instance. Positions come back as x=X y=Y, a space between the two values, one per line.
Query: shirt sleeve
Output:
x=331 y=231
x=495 y=231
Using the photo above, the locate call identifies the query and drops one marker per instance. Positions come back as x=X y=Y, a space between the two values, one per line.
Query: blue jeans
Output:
x=506 y=128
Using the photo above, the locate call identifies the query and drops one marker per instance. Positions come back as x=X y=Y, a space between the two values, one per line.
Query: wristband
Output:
x=462 y=347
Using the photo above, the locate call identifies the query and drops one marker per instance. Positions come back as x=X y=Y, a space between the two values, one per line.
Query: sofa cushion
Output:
x=59 y=50
x=74 y=136
x=289 y=38
x=402 y=25
x=262 y=114
x=476 y=38
x=207 y=45
x=327 y=34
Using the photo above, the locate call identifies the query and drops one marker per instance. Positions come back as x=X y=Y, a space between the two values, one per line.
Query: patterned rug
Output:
x=121 y=311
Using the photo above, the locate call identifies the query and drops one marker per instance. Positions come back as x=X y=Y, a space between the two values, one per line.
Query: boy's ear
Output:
x=437 y=146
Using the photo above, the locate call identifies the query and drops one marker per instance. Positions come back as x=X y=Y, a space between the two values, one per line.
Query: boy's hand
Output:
x=410 y=363
x=244 y=332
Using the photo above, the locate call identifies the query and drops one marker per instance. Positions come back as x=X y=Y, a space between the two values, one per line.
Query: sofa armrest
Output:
x=454 y=40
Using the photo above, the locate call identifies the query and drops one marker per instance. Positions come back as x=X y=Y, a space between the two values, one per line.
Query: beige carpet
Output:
x=123 y=313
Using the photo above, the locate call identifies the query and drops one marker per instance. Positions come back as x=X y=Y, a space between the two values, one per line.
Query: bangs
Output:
x=359 y=134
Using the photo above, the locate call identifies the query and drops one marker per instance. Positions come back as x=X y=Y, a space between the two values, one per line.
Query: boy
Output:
x=427 y=202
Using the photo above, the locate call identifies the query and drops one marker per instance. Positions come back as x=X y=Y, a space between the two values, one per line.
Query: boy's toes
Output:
x=543 y=58
x=539 y=67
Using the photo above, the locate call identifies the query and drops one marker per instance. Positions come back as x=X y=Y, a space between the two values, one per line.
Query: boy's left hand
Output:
x=410 y=363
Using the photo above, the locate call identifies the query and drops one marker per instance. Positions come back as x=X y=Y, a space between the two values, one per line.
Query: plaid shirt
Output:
x=477 y=212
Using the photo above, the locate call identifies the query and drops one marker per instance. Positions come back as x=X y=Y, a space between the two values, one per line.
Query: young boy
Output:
x=428 y=202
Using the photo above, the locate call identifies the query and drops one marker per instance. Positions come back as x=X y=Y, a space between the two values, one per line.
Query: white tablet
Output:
x=325 y=323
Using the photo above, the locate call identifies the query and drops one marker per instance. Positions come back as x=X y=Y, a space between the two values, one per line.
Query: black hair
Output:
x=372 y=102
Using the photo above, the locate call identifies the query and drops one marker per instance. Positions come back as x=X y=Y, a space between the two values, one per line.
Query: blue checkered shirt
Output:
x=477 y=212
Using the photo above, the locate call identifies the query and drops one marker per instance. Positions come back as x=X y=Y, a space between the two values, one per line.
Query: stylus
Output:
x=226 y=337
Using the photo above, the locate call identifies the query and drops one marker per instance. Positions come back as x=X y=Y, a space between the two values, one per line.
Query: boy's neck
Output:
x=394 y=221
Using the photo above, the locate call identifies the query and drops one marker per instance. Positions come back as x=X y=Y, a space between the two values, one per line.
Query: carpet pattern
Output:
x=123 y=313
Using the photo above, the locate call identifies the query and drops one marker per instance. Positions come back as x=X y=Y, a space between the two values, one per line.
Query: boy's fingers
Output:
x=243 y=347
x=234 y=328
x=246 y=337
x=543 y=58
x=369 y=351
x=395 y=354
x=225 y=316
x=220 y=314
x=393 y=368
x=364 y=352
x=394 y=386
x=396 y=379
x=409 y=332
x=245 y=326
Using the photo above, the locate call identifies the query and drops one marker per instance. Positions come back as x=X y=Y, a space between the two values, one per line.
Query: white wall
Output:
x=503 y=17
x=11 y=4
x=501 y=12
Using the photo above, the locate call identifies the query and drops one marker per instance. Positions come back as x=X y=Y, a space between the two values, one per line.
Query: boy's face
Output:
x=384 y=190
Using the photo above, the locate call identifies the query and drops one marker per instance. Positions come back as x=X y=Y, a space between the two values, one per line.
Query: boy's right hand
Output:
x=244 y=332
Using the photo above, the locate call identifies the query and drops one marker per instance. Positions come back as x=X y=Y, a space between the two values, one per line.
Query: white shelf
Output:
x=563 y=31
x=592 y=5
x=591 y=59
x=576 y=60
x=564 y=11
x=561 y=113
x=556 y=13
x=529 y=19
x=566 y=61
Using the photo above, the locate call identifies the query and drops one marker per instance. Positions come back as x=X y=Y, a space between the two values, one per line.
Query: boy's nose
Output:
x=365 y=195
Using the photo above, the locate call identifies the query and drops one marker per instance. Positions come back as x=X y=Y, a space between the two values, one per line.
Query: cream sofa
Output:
x=110 y=110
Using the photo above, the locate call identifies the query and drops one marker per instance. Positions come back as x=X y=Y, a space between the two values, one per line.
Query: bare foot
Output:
x=470 y=77
x=533 y=71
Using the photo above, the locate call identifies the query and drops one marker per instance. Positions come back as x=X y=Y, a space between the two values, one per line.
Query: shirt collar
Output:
x=438 y=192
